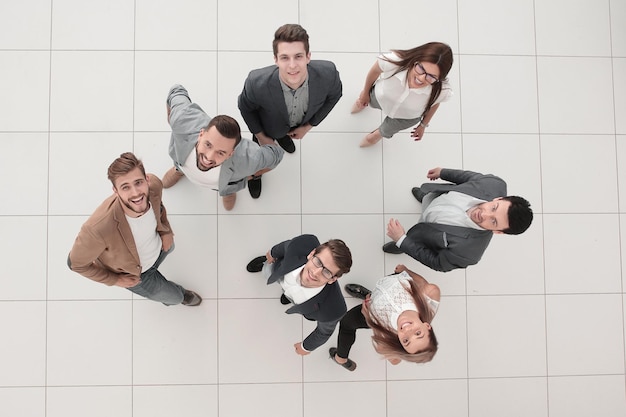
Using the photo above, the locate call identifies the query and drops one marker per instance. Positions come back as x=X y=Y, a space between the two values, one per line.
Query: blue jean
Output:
x=156 y=287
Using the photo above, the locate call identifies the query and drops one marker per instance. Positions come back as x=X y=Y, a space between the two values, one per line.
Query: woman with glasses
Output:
x=399 y=312
x=407 y=85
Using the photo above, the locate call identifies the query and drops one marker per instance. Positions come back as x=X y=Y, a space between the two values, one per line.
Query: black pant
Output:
x=353 y=320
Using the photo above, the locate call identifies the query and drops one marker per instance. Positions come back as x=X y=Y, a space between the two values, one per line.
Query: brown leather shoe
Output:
x=229 y=201
x=171 y=177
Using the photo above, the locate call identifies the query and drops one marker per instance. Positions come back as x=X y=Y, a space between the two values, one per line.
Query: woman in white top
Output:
x=399 y=311
x=407 y=85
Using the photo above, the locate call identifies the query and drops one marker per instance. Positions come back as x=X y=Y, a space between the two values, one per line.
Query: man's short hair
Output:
x=227 y=127
x=123 y=165
x=520 y=215
x=290 y=32
x=341 y=255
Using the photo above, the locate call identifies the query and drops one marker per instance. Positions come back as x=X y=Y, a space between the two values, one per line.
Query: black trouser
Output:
x=353 y=320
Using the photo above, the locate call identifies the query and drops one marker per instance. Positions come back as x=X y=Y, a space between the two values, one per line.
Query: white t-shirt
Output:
x=147 y=240
x=296 y=292
x=209 y=179
x=396 y=99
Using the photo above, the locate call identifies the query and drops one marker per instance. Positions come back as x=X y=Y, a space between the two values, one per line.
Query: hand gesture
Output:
x=418 y=132
x=434 y=174
x=400 y=268
x=395 y=230
x=300 y=131
x=166 y=241
x=127 y=280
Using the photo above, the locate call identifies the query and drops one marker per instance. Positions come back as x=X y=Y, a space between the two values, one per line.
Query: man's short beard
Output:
x=198 y=161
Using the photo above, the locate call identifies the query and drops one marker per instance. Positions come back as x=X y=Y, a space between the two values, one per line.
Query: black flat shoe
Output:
x=256 y=265
x=349 y=365
x=284 y=300
x=390 y=247
x=287 y=144
x=357 y=291
x=254 y=186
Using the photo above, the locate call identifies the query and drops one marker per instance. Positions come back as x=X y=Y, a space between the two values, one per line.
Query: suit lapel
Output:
x=278 y=97
x=316 y=95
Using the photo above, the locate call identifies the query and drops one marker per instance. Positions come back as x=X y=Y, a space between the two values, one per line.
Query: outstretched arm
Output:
x=427 y=288
x=320 y=335
x=176 y=99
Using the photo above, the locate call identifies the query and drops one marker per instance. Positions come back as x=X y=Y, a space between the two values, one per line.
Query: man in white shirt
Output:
x=458 y=219
x=308 y=273
x=128 y=236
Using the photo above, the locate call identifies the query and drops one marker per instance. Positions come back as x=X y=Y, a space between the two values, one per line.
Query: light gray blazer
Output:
x=186 y=120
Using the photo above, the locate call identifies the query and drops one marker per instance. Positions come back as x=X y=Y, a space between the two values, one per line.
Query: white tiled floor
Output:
x=536 y=329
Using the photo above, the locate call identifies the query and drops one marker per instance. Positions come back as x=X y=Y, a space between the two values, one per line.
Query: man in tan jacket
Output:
x=128 y=236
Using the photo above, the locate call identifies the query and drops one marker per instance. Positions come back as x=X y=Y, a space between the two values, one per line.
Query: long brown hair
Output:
x=436 y=53
x=386 y=340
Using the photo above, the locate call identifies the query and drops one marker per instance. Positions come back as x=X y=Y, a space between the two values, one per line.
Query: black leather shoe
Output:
x=287 y=144
x=254 y=186
x=349 y=365
x=256 y=265
x=390 y=247
x=418 y=193
x=284 y=300
x=357 y=291
x=191 y=299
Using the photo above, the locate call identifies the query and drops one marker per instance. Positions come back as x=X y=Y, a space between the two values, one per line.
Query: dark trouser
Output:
x=353 y=320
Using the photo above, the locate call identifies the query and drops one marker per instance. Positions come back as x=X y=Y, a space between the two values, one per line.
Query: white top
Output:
x=396 y=99
x=390 y=298
x=294 y=291
x=147 y=240
x=451 y=209
x=209 y=179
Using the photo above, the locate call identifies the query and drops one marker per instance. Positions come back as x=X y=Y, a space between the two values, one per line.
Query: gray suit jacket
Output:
x=442 y=247
x=186 y=120
x=262 y=102
x=327 y=307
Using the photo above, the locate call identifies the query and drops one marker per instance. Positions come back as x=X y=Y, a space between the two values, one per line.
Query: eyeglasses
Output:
x=325 y=271
x=430 y=79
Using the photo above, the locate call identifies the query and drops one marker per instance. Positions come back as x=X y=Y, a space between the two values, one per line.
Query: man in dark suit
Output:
x=284 y=101
x=458 y=219
x=308 y=273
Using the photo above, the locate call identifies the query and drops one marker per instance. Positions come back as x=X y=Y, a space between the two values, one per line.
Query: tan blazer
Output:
x=105 y=247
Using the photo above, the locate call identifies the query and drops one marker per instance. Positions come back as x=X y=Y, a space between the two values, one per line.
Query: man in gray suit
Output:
x=458 y=219
x=284 y=101
x=210 y=151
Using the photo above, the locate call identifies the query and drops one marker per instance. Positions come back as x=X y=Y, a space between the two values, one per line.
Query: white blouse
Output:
x=390 y=298
x=396 y=99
